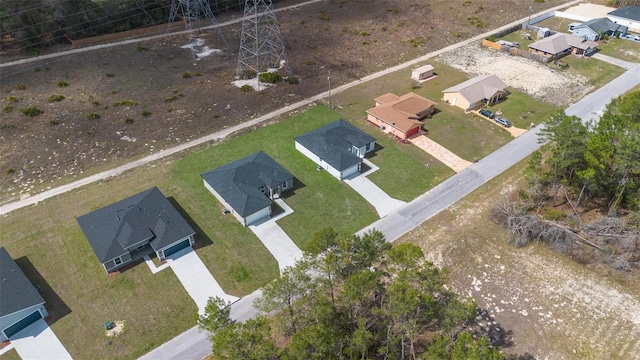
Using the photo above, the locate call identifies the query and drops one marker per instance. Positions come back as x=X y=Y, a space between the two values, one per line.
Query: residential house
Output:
x=247 y=187
x=401 y=116
x=476 y=92
x=422 y=73
x=628 y=16
x=338 y=148
x=597 y=28
x=559 y=45
x=20 y=303
x=139 y=225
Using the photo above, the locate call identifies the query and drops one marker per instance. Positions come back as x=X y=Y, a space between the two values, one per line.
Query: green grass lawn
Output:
x=598 y=72
x=621 y=49
x=522 y=109
x=519 y=37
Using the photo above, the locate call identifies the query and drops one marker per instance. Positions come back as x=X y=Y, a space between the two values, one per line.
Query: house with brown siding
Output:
x=476 y=92
x=401 y=116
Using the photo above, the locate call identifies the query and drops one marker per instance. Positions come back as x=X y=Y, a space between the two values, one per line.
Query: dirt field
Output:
x=86 y=131
x=533 y=78
x=544 y=304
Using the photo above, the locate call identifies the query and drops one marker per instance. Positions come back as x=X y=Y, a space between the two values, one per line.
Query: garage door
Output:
x=15 y=328
x=177 y=247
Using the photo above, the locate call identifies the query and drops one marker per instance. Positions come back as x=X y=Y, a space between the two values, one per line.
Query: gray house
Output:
x=20 y=303
x=338 y=147
x=136 y=226
x=247 y=187
x=597 y=28
x=627 y=15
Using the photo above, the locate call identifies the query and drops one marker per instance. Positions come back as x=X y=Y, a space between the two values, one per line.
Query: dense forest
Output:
x=353 y=297
x=36 y=24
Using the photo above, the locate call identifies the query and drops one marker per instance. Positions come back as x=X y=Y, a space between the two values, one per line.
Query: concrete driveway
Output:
x=276 y=240
x=196 y=278
x=37 y=341
x=441 y=153
x=383 y=203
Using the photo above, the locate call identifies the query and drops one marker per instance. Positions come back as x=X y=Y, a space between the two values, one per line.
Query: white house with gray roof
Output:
x=127 y=230
x=20 y=303
x=476 y=92
x=338 y=147
x=628 y=16
x=247 y=187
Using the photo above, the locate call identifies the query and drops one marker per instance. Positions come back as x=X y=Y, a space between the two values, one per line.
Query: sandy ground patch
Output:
x=593 y=11
x=116 y=330
x=528 y=76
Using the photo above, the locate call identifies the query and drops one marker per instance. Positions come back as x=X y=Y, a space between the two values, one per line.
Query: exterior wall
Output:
x=540 y=52
x=160 y=253
x=633 y=25
x=455 y=99
x=227 y=206
x=262 y=213
x=289 y=185
x=110 y=265
x=585 y=33
x=330 y=169
x=418 y=74
x=11 y=319
x=383 y=126
x=350 y=171
x=371 y=147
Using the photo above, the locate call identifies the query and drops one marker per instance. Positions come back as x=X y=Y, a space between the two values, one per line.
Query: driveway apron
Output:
x=383 y=203
x=196 y=278
x=37 y=341
x=276 y=240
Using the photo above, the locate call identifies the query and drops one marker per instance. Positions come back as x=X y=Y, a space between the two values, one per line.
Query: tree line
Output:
x=352 y=297
x=35 y=24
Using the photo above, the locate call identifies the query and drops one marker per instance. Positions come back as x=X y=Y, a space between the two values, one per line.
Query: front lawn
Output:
x=522 y=110
x=598 y=72
x=620 y=48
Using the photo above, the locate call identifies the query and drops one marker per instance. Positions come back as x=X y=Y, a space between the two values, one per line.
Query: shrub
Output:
x=415 y=42
x=128 y=121
x=384 y=28
x=246 y=88
x=475 y=21
x=10 y=171
x=55 y=98
x=293 y=80
x=364 y=33
x=198 y=74
x=7 y=108
x=323 y=16
x=171 y=98
x=141 y=48
x=309 y=62
x=111 y=74
x=31 y=111
x=248 y=74
x=186 y=75
x=12 y=99
x=393 y=10
x=62 y=83
x=96 y=103
x=92 y=116
x=145 y=113
x=125 y=103
x=270 y=77
x=54 y=122
x=20 y=87
x=492 y=38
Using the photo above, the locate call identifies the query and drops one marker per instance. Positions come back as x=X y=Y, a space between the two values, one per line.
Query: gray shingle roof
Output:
x=478 y=88
x=602 y=26
x=627 y=12
x=239 y=182
x=144 y=216
x=16 y=291
x=333 y=142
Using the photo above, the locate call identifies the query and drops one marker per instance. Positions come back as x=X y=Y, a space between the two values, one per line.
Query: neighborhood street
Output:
x=404 y=219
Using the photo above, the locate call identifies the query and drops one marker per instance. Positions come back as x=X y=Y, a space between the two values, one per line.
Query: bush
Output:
x=7 y=108
x=62 y=83
x=323 y=16
x=364 y=33
x=293 y=80
x=55 y=98
x=145 y=113
x=270 y=77
x=128 y=121
x=248 y=74
x=111 y=74
x=54 y=122
x=12 y=99
x=246 y=88
x=171 y=98
x=20 y=87
x=96 y=103
x=125 y=103
x=31 y=111
x=92 y=116
x=141 y=48
x=186 y=75
x=415 y=42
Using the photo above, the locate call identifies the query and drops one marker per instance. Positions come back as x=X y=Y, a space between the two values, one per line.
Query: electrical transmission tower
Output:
x=261 y=45
x=191 y=11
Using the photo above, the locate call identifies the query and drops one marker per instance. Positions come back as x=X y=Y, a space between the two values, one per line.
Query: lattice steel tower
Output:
x=261 y=45
x=191 y=11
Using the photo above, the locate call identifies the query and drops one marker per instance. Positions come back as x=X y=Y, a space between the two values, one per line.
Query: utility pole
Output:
x=530 y=12
x=329 y=80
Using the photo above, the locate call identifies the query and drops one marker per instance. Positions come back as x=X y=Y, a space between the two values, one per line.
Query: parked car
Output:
x=487 y=113
x=633 y=37
x=502 y=121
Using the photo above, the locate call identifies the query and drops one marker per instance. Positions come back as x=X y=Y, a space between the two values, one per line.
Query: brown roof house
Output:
x=400 y=116
x=558 y=45
x=476 y=92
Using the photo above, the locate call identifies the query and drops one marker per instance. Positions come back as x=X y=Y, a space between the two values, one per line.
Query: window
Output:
x=117 y=261
x=263 y=189
x=285 y=185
